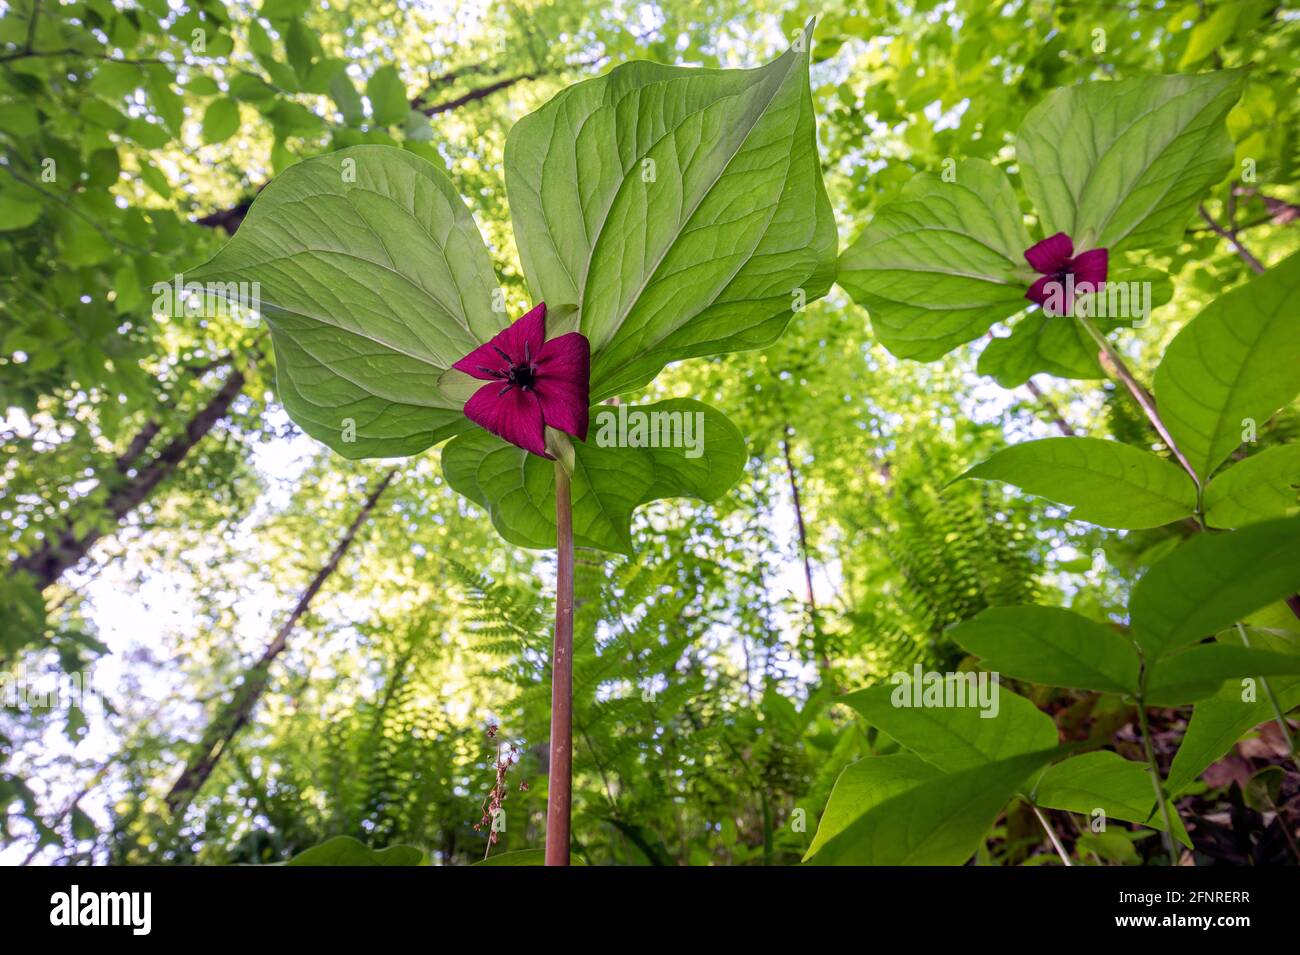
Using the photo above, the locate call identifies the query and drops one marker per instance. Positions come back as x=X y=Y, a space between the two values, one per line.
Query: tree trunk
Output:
x=64 y=548
x=819 y=651
x=1053 y=412
x=236 y=714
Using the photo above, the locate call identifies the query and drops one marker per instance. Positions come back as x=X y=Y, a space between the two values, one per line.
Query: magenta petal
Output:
x=520 y=340
x=1038 y=291
x=515 y=416
x=1091 y=267
x=482 y=361
x=523 y=339
x=1050 y=255
x=563 y=383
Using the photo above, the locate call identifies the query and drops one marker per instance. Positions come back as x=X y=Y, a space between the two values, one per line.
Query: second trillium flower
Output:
x=533 y=383
x=1064 y=273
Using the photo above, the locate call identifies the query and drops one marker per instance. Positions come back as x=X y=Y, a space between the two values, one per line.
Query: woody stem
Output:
x=1115 y=365
x=559 y=795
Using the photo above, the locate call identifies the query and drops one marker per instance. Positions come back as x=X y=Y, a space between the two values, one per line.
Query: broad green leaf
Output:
x=1121 y=164
x=518 y=489
x=1213 y=580
x=1220 y=720
x=387 y=94
x=1040 y=343
x=1107 y=483
x=864 y=785
x=1200 y=672
x=940 y=264
x=1263 y=486
x=1232 y=366
x=374 y=281
x=955 y=738
x=220 y=120
x=344 y=850
x=1119 y=787
x=1050 y=645
x=673 y=212
x=940 y=821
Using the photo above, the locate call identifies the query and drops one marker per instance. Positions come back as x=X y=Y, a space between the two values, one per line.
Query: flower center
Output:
x=523 y=375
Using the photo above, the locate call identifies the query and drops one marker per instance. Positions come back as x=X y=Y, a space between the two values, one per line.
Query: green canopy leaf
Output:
x=220 y=120
x=387 y=94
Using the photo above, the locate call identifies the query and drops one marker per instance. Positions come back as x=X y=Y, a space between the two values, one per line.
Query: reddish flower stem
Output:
x=559 y=794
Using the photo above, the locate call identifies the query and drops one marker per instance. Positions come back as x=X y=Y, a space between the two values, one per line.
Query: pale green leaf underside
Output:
x=1104 y=780
x=1264 y=486
x=954 y=738
x=1213 y=580
x=1238 y=361
x=1062 y=347
x=374 y=280
x=1106 y=482
x=1040 y=343
x=518 y=489
x=940 y=264
x=1121 y=164
x=1050 y=645
x=939 y=821
x=677 y=209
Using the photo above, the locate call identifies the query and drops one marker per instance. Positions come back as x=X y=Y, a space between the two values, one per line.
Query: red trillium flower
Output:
x=533 y=383
x=1063 y=272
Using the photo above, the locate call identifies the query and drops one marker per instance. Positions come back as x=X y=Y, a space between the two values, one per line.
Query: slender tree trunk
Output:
x=818 y=650
x=1052 y=410
x=66 y=547
x=236 y=714
x=1229 y=232
x=559 y=786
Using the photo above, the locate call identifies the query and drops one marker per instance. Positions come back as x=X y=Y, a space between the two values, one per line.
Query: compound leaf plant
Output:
x=661 y=213
x=1110 y=170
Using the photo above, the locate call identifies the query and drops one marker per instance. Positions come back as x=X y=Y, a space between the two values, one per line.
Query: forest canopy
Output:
x=650 y=434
